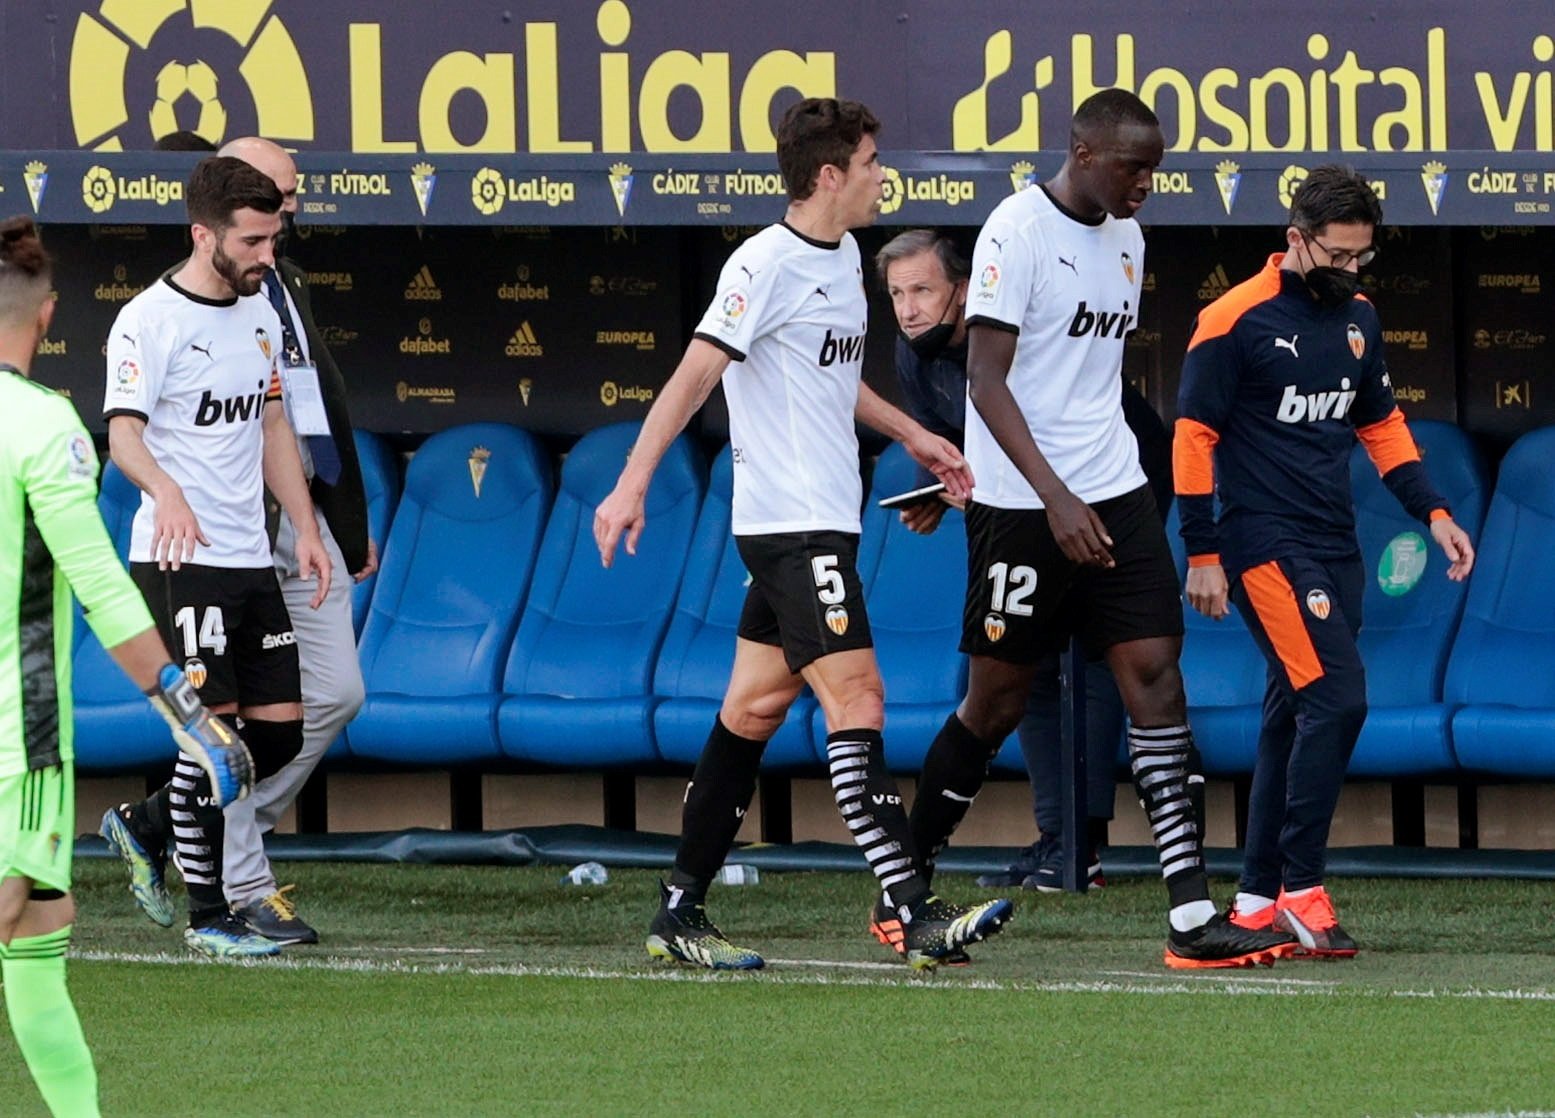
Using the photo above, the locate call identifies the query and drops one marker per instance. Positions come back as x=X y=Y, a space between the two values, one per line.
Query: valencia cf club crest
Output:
x=1357 y=340
x=837 y=620
x=479 y=457
x=195 y=669
x=993 y=627
x=1318 y=604
x=1128 y=267
x=264 y=342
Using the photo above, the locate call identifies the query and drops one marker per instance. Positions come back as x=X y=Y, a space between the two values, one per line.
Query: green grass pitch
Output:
x=490 y=991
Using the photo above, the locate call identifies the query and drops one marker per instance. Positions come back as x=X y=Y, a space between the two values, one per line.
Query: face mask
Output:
x=934 y=341
x=1332 y=287
x=288 y=233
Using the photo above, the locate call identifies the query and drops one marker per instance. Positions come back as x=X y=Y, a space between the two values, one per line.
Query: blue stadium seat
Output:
x=116 y=729
x=694 y=664
x=455 y=573
x=381 y=479
x=579 y=682
x=915 y=587
x=1223 y=673
x=1408 y=625
x=1502 y=667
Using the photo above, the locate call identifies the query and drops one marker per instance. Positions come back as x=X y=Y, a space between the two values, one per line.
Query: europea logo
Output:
x=849 y=347
x=233 y=409
x=1309 y=407
x=1104 y=324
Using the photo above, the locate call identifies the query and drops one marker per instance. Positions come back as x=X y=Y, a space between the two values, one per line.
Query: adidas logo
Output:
x=1216 y=284
x=423 y=288
x=523 y=343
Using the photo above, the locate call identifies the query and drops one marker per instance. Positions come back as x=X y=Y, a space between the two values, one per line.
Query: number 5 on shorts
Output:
x=828 y=580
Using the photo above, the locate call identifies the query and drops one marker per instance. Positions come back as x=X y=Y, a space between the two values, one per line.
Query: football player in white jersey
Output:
x=1064 y=535
x=195 y=420
x=788 y=325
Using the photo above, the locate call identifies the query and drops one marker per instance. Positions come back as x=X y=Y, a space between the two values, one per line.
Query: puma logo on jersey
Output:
x=1309 y=407
x=750 y=275
x=1104 y=324
x=205 y=349
x=998 y=244
x=1281 y=343
x=849 y=347
x=1070 y=265
x=232 y=409
x=821 y=291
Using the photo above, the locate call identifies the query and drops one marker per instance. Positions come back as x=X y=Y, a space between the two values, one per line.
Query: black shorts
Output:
x=1025 y=598
x=229 y=629
x=804 y=595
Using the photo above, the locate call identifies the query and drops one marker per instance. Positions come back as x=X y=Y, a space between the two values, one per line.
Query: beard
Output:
x=243 y=283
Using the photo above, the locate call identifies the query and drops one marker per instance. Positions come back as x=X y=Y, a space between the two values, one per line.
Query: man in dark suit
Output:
x=332 y=691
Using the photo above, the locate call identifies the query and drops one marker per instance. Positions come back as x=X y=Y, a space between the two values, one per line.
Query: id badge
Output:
x=304 y=400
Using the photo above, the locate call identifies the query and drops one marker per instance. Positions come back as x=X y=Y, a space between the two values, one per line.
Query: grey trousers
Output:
x=332 y=693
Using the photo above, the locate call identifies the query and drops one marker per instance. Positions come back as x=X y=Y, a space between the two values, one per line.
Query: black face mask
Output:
x=936 y=339
x=1332 y=287
x=288 y=233
x=933 y=341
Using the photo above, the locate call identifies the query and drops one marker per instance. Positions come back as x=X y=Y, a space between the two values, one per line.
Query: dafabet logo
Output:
x=140 y=71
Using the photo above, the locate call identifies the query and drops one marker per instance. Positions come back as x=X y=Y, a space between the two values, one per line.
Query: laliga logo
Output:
x=1291 y=178
x=488 y=191
x=104 y=47
x=894 y=193
x=97 y=190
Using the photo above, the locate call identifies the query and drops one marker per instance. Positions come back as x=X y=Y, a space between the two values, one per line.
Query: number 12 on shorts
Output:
x=1012 y=588
x=211 y=633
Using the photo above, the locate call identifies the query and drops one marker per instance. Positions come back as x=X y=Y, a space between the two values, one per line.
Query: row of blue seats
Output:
x=491 y=633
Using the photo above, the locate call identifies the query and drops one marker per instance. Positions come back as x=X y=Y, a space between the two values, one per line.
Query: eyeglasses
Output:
x=1341 y=257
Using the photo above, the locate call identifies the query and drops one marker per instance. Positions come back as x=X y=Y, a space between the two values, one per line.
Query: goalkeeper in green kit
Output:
x=52 y=542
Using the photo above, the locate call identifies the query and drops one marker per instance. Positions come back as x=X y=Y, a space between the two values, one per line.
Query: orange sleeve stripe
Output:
x=1388 y=442
x=1217 y=319
x=1439 y=514
x=1193 y=461
x=1274 y=601
x=1212 y=559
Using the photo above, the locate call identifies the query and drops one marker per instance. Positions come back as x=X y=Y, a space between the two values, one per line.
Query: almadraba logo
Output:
x=140 y=71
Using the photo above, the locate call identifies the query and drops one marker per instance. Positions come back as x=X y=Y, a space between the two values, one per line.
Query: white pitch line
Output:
x=1160 y=986
x=1226 y=975
x=839 y=963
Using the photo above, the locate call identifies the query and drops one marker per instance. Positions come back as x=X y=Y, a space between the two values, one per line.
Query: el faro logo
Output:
x=141 y=70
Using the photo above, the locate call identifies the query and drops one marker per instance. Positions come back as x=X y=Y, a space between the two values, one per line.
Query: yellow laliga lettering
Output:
x=365 y=48
x=708 y=77
x=814 y=75
x=490 y=78
x=542 y=78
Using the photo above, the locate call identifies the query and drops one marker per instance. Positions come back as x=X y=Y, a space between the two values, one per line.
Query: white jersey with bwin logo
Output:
x=791 y=312
x=199 y=372
x=1070 y=291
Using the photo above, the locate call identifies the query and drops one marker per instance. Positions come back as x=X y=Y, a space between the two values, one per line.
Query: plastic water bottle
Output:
x=734 y=874
x=587 y=873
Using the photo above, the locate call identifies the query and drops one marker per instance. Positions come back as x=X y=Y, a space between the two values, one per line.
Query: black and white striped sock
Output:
x=1162 y=763
x=871 y=806
x=198 y=833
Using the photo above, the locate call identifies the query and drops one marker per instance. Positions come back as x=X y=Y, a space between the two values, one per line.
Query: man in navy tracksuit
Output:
x=1283 y=373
